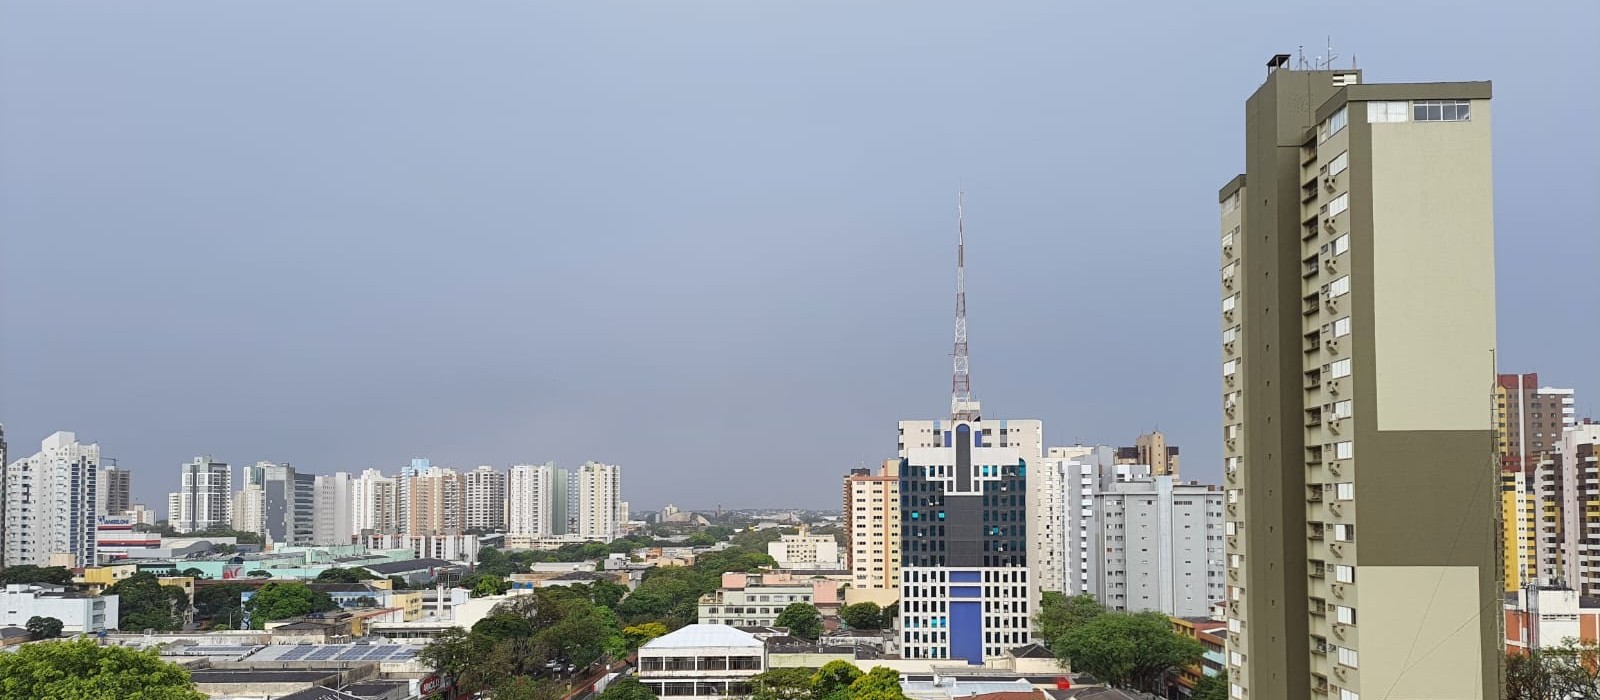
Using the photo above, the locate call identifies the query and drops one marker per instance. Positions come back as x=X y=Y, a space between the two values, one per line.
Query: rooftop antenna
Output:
x=961 y=380
x=1330 y=55
x=1301 y=53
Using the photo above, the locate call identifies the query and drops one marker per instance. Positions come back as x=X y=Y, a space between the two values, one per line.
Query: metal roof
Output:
x=704 y=636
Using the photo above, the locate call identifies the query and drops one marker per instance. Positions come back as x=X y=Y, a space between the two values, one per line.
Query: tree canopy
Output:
x=802 y=619
x=84 y=670
x=862 y=616
x=627 y=688
x=1571 y=670
x=218 y=605
x=558 y=624
x=833 y=680
x=283 y=600
x=782 y=684
x=42 y=628
x=878 y=684
x=1059 y=613
x=143 y=603
x=1128 y=650
x=1211 y=687
x=338 y=575
x=28 y=573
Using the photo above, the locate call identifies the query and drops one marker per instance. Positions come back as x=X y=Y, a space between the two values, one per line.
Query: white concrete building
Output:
x=871 y=511
x=204 y=498
x=1580 y=489
x=805 y=551
x=701 y=661
x=455 y=548
x=601 y=512
x=756 y=600
x=374 y=502
x=484 y=499
x=50 y=500
x=78 y=612
x=1159 y=545
x=531 y=500
x=332 y=521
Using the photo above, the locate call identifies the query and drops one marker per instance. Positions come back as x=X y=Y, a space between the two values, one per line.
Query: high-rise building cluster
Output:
x=54 y=501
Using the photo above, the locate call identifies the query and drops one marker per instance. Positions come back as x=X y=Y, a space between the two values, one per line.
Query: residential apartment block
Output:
x=375 y=502
x=115 y=491
x=49 y=504
x=1529 y=421
x=805 y=551
x=600 y=508
x=204 y=498
x=756 y=600
x=1358 y=340
x=871 y=514
x=531 y=500
x=1578 y=463
x=484 y=498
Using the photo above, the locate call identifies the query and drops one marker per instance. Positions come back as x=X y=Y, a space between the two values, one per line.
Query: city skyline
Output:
x=356 y=318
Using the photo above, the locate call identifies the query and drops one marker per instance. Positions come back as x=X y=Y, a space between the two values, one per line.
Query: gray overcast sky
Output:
x=711 y=242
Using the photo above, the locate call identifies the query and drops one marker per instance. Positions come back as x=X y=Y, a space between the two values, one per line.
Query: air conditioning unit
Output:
x=1333 y=345
x=1227 y=250
x=1330 y=264
x=1333 y=468
x=1328 y=182
x=1227 y=282
x=1336 y=508
x=1228 y=347
x=1229 y=379
x=1337 y=550
x=1334 y=426
x=1333 y=303
x=1338 y=671
x=1338 y=630
x=1232 y=443
x=1338 y=590
x=1328 y=225
x=1332 y=386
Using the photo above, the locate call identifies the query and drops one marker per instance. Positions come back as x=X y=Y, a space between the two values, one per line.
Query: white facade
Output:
x=50 y=501
x=708 y=662
x=1580 y=476
x=78 y=613
x=374 y=502
x=600 y=509
x=531 y=500
x=249 y=509
x=204 y=496
x=455 y=548
x=332 y=521
x=1159 y=546
x=484 y=498
x=872 y=521
x=805 y=551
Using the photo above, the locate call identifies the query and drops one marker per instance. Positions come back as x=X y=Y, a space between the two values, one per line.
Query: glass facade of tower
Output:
x=965 y=589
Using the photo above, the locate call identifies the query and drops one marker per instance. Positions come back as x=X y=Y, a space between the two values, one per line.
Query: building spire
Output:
x=961 y=404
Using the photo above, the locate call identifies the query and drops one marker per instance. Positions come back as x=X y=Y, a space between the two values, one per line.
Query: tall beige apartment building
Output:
x=1358 y=334
x=872 y=531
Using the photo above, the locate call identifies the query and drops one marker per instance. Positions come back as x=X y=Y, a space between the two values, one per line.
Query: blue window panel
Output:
x=966 y=592
x=966 y=631
x=966 y=577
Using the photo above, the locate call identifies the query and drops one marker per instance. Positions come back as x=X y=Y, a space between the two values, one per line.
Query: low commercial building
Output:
x=78 y=612
x=805 y=551
x=701 y=661
x=756 y=600
x=1549 y=619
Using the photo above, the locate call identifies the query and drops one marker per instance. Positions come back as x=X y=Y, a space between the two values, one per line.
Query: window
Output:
x=1345 y=616
x=1344 y=573
x=1230 y=335
x=1344 y=533
x=1230 y=527
x=1341 y=245
x=1339 y=204
x=1345 y=491
x=1234 y=626
x=1341 y=327
x=1441 y=110
x=1340 y=368
x=1344 y=450
x=1339 y=164
x=1336 y=122
x=1230 y=302
x=1348 y=694
x=1339 y=287
x=1347 y=657
x=1235 y=658
x=1237 y=691
x=1341 y=409
x=1229 y=367
x=1381 y=112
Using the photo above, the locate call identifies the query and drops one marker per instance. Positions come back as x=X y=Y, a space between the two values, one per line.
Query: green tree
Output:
x=1211 y=687
x=782 y=684
x=484 y=585
x=627 y=688
x=259 y=573
x=526 y=688
x=283 y=600
x=28 y=573
x=84 y=670
x=398 y=583
x=720 y=532
x=878 y=684
x=637 y=635
x=365 y=601
x=220 y=604
x=802 y=619
x=862 y=616
x=42 y=627
x=833 y=680
x=891 y=612
x=143 y=603
x=1059 y=613
x=338 y=575
x=1128 y=650
x=503 y=625
x=463 y=656
x=700 y=539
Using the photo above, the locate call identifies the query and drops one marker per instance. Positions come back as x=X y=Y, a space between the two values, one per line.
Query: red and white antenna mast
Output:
x=962 y=407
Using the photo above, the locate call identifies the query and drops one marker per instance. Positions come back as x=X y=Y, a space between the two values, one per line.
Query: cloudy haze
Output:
x=710 y=242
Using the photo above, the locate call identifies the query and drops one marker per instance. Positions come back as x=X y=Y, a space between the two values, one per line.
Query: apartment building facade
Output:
x=1358 y=336
x=871 y=512
x=601 y=511
x=204 y=498
x=484 y=494
x=531 y=500
x=50 y=501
